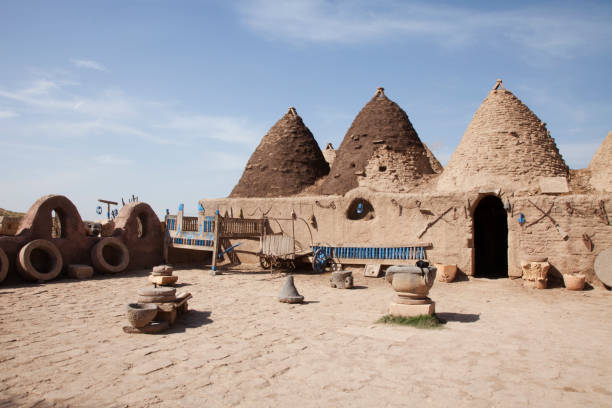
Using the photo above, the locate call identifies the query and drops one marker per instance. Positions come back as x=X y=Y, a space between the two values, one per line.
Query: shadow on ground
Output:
x=190 y=320
x=458 y=317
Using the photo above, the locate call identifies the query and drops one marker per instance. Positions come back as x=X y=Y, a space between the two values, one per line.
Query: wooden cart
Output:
x=281 y=251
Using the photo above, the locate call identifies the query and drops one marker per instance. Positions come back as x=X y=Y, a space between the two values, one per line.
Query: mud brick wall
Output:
x=287 y=160
x=576 y=215
x=397 y=220
x=505 y=145
x=601 y=166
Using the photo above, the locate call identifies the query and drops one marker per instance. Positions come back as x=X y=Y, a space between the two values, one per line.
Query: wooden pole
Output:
x=108 y=204
x=213 y=268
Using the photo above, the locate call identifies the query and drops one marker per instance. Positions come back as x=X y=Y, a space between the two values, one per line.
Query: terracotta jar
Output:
x=411 y=283
x=574 y=282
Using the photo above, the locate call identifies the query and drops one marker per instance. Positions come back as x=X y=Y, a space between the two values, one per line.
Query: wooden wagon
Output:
x=281 y=251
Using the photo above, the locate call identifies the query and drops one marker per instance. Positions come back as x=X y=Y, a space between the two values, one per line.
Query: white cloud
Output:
x=89 y=64
x=556 y=32
x=5 y=114
x=223 y=128
x=63 y=111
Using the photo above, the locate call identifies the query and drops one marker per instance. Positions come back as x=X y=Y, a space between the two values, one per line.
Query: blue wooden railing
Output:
x=413 y=252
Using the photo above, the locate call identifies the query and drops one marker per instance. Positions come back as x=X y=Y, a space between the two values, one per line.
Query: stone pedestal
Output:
x=404 y=310
x=536 y=273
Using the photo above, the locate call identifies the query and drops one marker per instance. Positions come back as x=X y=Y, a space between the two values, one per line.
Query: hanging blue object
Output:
x=521 y=219
x=99 y=210
x=200 y=207
x=359 y=208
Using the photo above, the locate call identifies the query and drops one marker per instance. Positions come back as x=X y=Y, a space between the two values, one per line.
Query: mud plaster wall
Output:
x=451 y=236
x=389 y=227
x=576 y=215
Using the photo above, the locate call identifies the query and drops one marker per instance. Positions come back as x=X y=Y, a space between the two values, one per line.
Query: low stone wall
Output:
x=9 y=224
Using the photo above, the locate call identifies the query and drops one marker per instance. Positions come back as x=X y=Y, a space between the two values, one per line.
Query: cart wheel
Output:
x=320 y=261
x=265 y=263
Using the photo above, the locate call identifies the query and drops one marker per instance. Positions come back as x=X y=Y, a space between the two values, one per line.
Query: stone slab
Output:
x=603 y=266
x=80 y=271
x=553 y=185
x=397 y=309
x=163 y=280
x=372 y=270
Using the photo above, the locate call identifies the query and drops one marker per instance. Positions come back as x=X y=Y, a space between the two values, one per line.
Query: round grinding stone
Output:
x=603 y=266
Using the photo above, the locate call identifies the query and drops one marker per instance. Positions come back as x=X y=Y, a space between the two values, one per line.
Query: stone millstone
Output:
x=157 y=292
x=289 y=293
x=603 y=266
x=162 y=270
x=156 y=299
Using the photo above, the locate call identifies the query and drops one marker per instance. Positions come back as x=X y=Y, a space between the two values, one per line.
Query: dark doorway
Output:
x=491 y=238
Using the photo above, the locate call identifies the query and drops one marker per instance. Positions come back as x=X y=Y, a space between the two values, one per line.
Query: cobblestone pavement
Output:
x=62 y=344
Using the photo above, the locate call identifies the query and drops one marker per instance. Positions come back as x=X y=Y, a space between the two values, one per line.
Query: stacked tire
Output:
x=110 y=255
x=39 y=260
x=4 y=265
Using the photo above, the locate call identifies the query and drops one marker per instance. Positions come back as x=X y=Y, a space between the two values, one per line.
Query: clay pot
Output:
x=446 y=273
x=141 y=314
x=411 y=283
x=574 y=282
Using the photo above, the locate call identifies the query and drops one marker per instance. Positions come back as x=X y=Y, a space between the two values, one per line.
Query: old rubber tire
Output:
x=39 y=260
x=110 y=255
x=4 y=265
x=157 y=292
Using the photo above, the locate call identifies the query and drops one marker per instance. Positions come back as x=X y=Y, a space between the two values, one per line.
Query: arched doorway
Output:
x=491 y=238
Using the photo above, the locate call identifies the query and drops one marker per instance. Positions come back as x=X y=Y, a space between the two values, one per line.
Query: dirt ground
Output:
x=62 y=344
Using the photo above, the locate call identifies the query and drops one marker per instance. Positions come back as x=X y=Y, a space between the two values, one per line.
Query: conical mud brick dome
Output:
x=381 y=129
x=505 y=146
x=287 y=160
x=601 y=166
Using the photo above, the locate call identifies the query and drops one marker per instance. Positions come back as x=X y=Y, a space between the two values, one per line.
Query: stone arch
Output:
x=38 y=221
x=145 y=248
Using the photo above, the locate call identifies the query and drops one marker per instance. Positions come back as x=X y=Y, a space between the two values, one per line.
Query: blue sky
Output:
x=167 y=99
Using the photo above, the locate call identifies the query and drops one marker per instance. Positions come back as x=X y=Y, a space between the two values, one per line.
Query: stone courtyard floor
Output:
x=62 y=344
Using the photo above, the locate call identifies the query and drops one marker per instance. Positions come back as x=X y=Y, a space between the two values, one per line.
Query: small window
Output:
x=140 y=226
x=360 y=209
x=56 y=224
x=382 y=168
